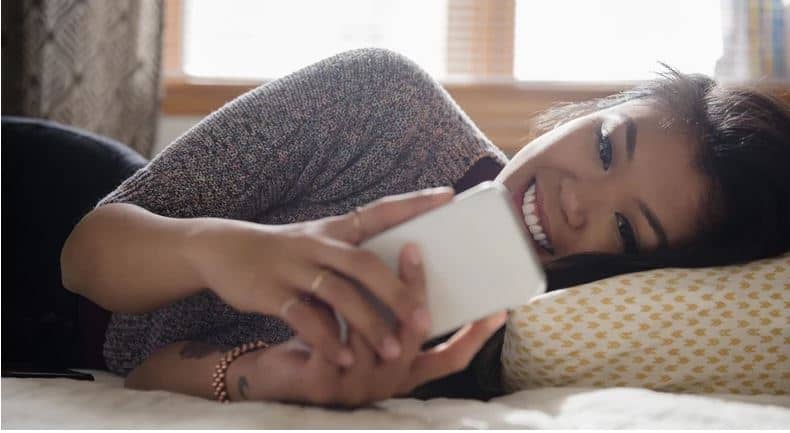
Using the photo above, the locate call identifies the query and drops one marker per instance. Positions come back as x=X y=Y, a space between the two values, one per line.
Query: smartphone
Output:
x=477 y=257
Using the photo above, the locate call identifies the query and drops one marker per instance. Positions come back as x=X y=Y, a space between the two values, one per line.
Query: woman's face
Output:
x=611 y=181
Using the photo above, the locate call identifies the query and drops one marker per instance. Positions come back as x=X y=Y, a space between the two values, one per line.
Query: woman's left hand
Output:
x=312 y=378
x=372 y=379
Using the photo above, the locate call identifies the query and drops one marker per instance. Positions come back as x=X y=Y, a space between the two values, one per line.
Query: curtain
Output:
x=755 y=41
x=94 y=64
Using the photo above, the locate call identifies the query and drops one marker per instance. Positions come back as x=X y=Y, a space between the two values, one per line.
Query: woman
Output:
x=262 y=204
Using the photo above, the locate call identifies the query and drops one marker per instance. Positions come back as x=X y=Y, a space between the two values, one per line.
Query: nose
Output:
x=570 y=197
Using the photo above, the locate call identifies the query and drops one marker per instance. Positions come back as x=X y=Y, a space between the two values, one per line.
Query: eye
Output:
x=626 y=233
x=604 y=148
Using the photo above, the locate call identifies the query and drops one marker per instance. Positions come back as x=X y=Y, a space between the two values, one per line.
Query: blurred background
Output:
x=144 y=71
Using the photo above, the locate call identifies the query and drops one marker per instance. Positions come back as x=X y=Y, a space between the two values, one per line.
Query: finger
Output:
x=387 y=212
x=340 y=293
x=455 y=354
x=412 y=336
x=412 y=273
x=372 y=274
x=314 y=326
x=358 y=380
x=391 y=373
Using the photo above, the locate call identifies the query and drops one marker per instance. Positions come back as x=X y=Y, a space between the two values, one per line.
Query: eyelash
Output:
x=604 y=149
x=626 y=233
x=623 y=226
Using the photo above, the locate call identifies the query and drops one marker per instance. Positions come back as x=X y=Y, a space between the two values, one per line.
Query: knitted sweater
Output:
x=335 y=135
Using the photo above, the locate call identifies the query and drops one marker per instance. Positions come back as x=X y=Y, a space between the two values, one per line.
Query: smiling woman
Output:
x=678 y=172
x=664 y=169
x=244 y=227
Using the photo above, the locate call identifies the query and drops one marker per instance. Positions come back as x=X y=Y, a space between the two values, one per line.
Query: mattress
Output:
x=66 y=403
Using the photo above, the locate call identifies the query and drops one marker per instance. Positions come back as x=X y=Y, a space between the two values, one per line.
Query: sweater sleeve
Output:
x=334 y=135
x=254 y=153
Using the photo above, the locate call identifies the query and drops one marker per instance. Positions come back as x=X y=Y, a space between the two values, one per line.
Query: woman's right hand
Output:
x=263 y=269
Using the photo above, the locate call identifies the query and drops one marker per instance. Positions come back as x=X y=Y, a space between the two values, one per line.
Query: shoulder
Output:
x=390 y=128
x=382 y=64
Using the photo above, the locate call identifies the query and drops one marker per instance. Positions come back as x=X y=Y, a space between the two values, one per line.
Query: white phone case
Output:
x=477 y=257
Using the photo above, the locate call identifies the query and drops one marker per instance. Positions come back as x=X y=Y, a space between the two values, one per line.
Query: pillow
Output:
x=708 y=330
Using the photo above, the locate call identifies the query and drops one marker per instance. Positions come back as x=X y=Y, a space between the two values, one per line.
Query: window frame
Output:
x=500 y=107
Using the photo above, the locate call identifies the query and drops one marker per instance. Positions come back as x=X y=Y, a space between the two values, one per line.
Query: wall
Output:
x=170 y=128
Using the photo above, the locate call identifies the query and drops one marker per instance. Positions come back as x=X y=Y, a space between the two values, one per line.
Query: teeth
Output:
x=532 y=220
x=529 y=196
x=529 y=207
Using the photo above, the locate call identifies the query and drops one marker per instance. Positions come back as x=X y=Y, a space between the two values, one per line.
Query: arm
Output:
x=186 y=367
x=279 y=373
x=266 y=147
x=130 y=260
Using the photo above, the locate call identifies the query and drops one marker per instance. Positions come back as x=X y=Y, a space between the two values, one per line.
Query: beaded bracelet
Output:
x=220 y=387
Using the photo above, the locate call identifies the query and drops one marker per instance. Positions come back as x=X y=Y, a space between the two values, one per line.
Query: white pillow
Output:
x=723 y=329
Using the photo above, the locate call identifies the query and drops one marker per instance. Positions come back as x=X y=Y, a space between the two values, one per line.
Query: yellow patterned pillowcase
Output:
x=724 y=329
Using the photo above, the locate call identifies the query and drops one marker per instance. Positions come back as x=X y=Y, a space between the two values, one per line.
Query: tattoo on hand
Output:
x=199 y=349
x=243 y=384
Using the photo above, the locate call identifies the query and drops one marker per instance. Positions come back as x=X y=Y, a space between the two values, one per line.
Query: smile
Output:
x=530 y=206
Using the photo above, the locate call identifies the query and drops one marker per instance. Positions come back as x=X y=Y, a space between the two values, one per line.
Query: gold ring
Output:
x=288 y=304
x=318 y=280
x=357 y=223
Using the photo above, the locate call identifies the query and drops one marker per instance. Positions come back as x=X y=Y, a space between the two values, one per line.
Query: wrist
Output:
x=236 y=372
x=241 y=376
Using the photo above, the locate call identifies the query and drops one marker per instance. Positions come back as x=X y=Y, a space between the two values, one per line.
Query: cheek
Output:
x=601 y=236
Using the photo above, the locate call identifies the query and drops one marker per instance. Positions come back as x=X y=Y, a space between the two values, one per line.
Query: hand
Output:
x=264 y=269
x=283 y=374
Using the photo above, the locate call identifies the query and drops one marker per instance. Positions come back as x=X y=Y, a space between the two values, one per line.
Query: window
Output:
x=615 y=40
x=267 y=39
x=472 y=40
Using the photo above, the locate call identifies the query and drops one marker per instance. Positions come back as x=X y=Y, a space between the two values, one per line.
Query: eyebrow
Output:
x=655 y=224
x=630 y=136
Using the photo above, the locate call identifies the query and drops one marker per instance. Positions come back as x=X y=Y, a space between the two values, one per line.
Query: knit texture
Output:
x=335 y=135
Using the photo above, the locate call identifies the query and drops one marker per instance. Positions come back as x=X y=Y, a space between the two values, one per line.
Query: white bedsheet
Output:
x=65 y=403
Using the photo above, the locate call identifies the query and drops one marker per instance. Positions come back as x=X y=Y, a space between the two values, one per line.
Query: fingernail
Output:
x=298 y=345
x=390 y=347
x=422 y=319
x=413 y=255
x=345 y=358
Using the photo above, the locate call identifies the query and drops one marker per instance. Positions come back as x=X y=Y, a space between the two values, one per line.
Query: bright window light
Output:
x=615 y=40
x=270 y=38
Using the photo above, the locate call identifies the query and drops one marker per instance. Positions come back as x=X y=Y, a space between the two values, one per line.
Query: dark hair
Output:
x=743 y=138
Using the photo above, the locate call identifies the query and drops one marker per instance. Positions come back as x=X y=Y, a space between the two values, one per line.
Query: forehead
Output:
x=663 y=173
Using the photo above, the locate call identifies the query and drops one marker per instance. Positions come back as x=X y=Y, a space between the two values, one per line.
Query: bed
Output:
x=66 y=403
